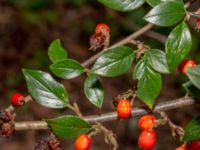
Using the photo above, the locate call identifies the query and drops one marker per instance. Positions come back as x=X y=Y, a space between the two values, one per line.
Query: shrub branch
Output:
x=163 y=106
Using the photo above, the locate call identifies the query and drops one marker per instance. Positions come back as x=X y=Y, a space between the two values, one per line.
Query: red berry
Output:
x=147 y=122
x=83 y=142
x=185 y=65
x=147 y=139
x=17 y=99
x=198 y=24
x=102 y=28
x=124 y=109
x=182 y=147
x=194 y=145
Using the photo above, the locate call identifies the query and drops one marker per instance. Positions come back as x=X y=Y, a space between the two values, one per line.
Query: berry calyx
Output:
x=17 y=99
x=124 y=109
x=188 y=63
x=83 y=142
x=100 y=28
x=147 y=139
x=194 y=145
x=147 y=122
x=182 y=147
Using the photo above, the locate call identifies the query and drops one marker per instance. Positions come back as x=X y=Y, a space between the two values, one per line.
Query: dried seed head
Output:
x=7 y=129
x=54 y=144
x=96 y=41
x=6 y=115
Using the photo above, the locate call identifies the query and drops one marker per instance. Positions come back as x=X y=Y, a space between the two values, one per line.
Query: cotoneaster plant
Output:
x=147 y=65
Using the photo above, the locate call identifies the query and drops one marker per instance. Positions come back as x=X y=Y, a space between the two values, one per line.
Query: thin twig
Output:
x=175 y=129
x=163 y=106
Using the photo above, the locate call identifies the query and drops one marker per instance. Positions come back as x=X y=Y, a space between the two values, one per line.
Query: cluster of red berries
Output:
x=101 y=37
x=147 y=138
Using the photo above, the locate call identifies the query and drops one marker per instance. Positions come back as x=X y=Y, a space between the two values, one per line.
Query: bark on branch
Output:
x=163 y=106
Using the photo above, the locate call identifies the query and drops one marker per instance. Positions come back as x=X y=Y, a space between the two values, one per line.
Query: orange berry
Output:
x=147 y=139
x=124 y=109
x=83 y=142
x=185 y=65
x=147 y=122
x=100 y=27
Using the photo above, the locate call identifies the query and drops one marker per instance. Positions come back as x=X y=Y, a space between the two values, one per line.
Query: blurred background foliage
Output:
x=27 y=27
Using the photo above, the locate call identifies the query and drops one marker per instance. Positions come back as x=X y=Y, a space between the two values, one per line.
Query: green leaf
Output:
x=192 y=89
x=94 y=90
x=192 y=130
x=157 y=60
x=149 y=84
x=153 y=2
x=122 y=5
x=45 y=90
x=178 y=45
x=194 y=75
x=69 y=127
x=114 y=62
x=67 y=68
x=166 y=14
x=56 y=51
x=139 y=69
x=156 y=2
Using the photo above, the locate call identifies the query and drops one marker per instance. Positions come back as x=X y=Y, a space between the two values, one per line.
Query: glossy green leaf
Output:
x=56 y=51
x=67 y=68
x=139 y=69
x=122 y=5
x=178 y=45
x=94 y=90
x=68 y=127
x=192 y=89
x=153 y=2
x=149 y=84
x=157 y=60
x=194 y=75
x=114 y=62
x=45 y=90
x=166 y=14
x=192 y=130
x=156 y=2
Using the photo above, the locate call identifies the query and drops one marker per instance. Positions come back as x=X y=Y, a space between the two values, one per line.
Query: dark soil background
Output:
x=27 y=27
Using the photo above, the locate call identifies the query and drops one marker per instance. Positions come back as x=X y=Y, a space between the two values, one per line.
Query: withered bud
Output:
x=6 y=115
x=7 y=129
x=96 y=41
x=54 y=144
